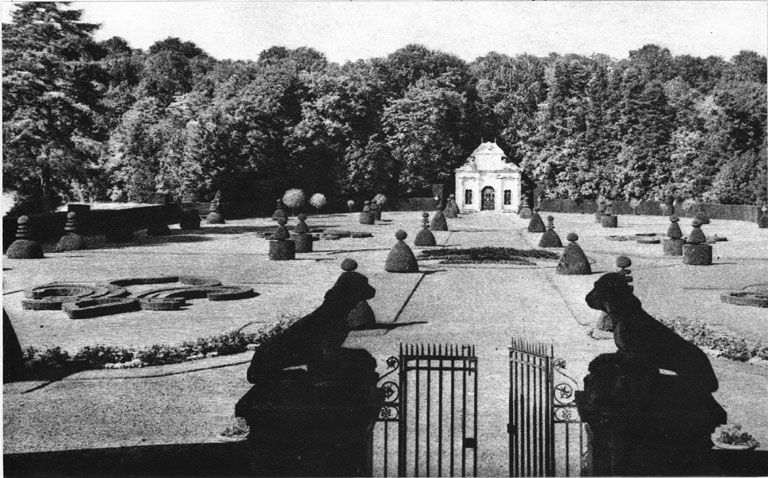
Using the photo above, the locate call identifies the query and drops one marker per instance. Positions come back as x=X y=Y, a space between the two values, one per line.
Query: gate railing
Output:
x=434 y=403
x=545 y=432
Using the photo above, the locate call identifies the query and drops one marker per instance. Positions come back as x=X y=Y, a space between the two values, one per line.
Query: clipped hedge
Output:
x=738 y=212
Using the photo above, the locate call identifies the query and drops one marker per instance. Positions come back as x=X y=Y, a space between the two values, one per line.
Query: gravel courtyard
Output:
x=482 y=304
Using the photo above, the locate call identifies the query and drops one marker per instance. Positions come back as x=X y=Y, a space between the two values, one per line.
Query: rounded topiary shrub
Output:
x=24 y=249
x=71 y=242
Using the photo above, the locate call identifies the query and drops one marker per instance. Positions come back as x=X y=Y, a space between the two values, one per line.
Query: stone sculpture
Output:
x=644 y=422
x=314 y=340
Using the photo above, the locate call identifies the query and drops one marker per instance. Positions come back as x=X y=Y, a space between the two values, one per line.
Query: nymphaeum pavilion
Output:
x=488 y=182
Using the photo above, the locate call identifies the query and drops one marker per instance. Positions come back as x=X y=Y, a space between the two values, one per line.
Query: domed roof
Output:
x=488 y=148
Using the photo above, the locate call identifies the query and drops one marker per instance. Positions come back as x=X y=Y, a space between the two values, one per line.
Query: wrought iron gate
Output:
x=434 y=404
x=545 y=432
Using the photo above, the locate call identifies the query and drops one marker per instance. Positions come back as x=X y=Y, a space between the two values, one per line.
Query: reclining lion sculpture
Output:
x=637 y=332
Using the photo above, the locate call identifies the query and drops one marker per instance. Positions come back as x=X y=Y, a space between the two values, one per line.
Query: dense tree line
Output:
x=96 y=120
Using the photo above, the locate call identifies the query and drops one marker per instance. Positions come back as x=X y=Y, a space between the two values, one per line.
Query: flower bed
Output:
x=487 y=255
x=38 y=362
x=727 y=345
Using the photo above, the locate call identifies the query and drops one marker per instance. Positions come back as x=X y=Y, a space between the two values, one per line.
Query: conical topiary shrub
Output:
x=573 y=261
x=401 y=258
x=451 y=209
x=438 y=221
x=281 y=247
x=525 y=211
x=215 y=216
x=71 y=240
x=550 y=237
x=24 y=247
x=366 y=217
x=536 y=224
x=696 y=252
x=425 y=238
x=762 y=223
x=673 y=243
x=302 y=237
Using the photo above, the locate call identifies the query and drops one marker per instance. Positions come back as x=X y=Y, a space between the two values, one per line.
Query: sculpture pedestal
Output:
x=314 y=423
x=697 y=254
x=643 y=423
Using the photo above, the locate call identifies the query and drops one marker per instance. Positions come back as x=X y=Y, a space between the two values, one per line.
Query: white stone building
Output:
x=487 y=182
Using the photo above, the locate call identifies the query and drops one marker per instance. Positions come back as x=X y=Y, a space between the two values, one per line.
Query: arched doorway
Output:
x=489 y=199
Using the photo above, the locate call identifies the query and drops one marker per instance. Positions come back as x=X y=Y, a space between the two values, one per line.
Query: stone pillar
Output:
x=644 y=423
x=315 y=423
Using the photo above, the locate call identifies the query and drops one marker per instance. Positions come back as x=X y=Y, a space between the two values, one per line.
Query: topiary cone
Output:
x=550 y=237
x=450 y=208
x=438 y=222
x=401 y=258
x=525 y=211
x=762 y=223
x=366 y=217
x=24 y=247
x=674 y=231
x=215 y=216
x=573 y=261
x=279 y=211
x=536 y=224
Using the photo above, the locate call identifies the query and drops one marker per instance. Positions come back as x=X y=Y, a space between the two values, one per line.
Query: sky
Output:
x=353 y=30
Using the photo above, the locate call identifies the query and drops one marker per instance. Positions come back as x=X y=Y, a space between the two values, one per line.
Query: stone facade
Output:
x=487 y=182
